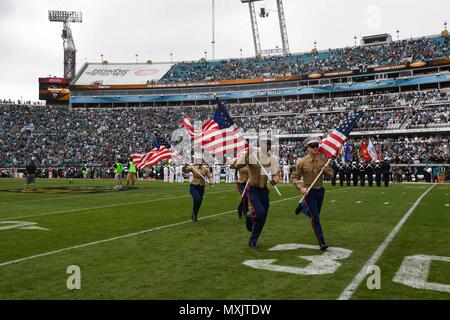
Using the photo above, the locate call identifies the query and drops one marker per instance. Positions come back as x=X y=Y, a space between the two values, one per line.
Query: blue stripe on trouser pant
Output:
x=259 y=199
x=243 y=205
x=311 y=206
x=197 y=195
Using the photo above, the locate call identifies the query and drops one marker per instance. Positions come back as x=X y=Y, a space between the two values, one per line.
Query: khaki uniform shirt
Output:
x=196 y=178
x=257 y=178
x=308 y=168
x=243 y=175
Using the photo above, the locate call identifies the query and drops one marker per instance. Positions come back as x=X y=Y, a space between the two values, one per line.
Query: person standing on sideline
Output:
x=118 y=170
x=171 y=172
x=341 y=169
x=378 y=171
x=197 y=186
x=386 y=168
x=166 y=173
x=355 y=173
x=369 y=171
x=348 y=173
x=335 y=169
x=177 y=173
x=233 y=175
x=31 y=175
x=84 y=171
x=257 y=189
x=217 y=170
x=131 y=176
x=286 y=172
x=180 y=178
x=362 y=174
x=309 y=168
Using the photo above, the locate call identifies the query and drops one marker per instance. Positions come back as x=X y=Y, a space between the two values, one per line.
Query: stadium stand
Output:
x=360 y=57
x=60 y=136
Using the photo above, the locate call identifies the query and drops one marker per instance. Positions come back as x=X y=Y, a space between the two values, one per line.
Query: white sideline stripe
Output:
x=107 y=206
x=351 y=288
x=123 y=237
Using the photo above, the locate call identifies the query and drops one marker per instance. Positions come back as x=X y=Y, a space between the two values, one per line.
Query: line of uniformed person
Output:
x=357 y=172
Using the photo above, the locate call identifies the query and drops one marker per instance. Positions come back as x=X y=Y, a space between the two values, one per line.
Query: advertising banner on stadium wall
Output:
x=122 y=74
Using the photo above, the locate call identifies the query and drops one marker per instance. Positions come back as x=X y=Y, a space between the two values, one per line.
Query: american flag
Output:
x=331 y=145
x=186 y=122
x=219 y=135
x=160 y=150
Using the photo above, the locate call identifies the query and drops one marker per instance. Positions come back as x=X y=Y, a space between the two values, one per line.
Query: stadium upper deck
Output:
x=415 y=64
x=332 y=60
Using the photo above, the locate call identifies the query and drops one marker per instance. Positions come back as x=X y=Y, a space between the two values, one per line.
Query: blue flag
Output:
x=348 y=152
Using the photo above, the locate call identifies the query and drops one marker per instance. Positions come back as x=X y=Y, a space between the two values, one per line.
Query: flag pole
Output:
x=260 y=164
x=245 y=188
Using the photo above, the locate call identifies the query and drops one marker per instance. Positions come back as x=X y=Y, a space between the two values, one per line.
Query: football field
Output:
x=141 y=243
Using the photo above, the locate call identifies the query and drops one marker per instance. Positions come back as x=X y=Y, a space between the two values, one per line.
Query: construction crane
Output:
x=283 y=28
x=70 y=51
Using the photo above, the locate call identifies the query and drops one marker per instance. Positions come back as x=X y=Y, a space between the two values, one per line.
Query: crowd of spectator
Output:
x=359 y=57
x=63 y=137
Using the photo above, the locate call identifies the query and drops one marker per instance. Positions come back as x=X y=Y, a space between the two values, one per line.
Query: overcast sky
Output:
x=31 y=46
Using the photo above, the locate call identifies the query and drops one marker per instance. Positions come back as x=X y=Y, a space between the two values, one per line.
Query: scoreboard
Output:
x=54 y=90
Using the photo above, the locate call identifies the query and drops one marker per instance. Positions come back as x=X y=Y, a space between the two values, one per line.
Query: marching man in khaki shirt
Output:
x=257 y=190
x=308 y=168
x=197 y=186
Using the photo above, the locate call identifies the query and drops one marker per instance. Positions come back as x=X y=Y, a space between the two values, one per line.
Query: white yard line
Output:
x=123 y=236
x=106 y=206
x=351 y=288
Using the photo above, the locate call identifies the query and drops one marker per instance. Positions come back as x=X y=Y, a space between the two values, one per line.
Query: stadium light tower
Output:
x=283 y=29
x=70 y=51
x=213 y=42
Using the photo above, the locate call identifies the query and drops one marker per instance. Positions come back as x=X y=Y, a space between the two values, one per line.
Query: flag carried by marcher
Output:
x=219 y=136
x=186 y=122
x=330 y=145
x=160 y=150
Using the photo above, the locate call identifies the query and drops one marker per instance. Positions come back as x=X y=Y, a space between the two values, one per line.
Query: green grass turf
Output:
x=203 y=260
